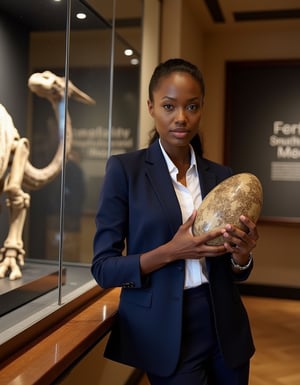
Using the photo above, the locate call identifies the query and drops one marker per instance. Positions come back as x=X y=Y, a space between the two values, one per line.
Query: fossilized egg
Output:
x=241 y=194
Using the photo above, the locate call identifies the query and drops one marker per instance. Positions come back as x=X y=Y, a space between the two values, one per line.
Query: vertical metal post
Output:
x=111 y=80
x=64 y=133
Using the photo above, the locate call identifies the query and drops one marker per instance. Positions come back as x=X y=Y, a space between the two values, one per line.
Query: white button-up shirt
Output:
x=189 y=198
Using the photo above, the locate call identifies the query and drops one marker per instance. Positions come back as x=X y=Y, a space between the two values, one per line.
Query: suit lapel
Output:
x=207 y=178
x=158 y=174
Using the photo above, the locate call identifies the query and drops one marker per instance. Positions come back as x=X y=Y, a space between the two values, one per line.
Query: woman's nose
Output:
x=180 y=116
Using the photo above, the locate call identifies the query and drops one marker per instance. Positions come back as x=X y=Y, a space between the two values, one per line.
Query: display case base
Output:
x=38 y=279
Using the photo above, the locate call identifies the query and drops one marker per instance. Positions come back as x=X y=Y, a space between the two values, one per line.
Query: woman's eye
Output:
x=168 y=107
x=192 y=107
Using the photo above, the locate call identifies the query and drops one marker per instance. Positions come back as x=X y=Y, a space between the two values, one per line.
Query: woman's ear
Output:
x=150 y=107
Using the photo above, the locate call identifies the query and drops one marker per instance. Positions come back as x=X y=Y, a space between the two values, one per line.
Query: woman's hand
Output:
x=182 y=246
x=240 y=243
x=185 y=245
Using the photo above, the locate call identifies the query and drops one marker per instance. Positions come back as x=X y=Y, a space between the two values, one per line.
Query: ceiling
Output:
x=213 y=15
x=52 y=15
x=220 y=15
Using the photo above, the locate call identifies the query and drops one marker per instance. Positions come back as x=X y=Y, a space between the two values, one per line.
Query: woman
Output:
x=180 y=316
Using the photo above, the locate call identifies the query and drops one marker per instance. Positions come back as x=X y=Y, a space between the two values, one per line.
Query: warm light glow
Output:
x=81 y=16
x=134 y=61
x=128 y=52
x=104 y=312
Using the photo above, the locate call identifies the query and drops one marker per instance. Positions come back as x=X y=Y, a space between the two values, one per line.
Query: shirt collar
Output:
x=171 y=166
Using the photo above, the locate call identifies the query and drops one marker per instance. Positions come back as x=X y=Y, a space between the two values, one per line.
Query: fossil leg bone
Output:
x=12 y=252
x=14 y=154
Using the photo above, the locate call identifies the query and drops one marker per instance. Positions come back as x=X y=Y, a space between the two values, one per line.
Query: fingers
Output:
x=191 y=247
x=211 y=235
x=210 y=249
x=252 y=229
x=233 y=233
x=239 y=242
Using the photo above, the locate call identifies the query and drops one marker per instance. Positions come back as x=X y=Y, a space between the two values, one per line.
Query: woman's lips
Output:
x=180 y=133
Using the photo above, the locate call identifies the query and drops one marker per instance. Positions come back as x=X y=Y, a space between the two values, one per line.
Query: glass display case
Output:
x=80 y=106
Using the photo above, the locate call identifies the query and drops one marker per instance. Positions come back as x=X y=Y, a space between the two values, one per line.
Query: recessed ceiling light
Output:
x=134 y=61
x=128 y=52
x=81 y=16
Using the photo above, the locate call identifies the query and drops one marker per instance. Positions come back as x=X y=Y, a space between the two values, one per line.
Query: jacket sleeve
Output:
x=110 y=267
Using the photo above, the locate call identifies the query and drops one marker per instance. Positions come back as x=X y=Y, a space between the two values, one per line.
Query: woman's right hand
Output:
x=185 y=245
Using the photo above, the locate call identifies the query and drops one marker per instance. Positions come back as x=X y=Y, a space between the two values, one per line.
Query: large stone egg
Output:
x=240 y=194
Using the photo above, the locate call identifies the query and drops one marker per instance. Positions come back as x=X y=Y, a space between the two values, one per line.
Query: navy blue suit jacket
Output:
x=139 y=211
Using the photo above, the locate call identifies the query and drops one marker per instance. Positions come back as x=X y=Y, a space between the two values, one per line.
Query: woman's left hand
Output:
x=240 y=243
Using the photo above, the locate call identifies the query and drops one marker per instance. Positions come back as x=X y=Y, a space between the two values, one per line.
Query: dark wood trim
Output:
x=270 y=291
x=135 y=377
x=279 y=14
x=215 y=10
x=281 y=220
x=43 y=359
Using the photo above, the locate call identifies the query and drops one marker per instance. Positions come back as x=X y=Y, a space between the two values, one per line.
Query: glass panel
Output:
x=109 y=126
x=95 y=134
x=33 y=40
x=20 y=22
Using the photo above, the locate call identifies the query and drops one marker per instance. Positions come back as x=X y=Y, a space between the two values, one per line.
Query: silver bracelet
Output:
x=242 y=267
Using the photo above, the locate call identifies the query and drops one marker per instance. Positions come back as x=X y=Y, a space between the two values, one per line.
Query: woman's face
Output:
x=176 y=109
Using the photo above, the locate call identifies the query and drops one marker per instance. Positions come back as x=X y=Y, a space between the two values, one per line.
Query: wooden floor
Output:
x=276 y=330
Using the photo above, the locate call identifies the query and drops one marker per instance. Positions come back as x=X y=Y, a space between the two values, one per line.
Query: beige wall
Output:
x=150 y=58
x=277 y=254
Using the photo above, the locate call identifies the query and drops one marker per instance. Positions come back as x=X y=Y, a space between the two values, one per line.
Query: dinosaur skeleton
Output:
x=16 y=171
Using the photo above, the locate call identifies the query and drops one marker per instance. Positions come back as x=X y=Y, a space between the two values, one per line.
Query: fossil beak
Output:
x=79 y=95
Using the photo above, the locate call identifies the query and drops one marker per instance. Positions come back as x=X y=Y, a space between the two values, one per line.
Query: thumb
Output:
x=189 y=222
